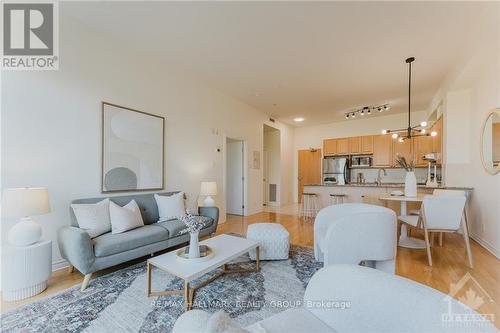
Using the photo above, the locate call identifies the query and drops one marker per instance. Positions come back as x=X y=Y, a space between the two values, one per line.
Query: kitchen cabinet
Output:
x=355 y=145
x=437 y=141
x=382 y=151
x=422 y=145
x=404 y=149
x=367 y=144
x=343 y=146
x=329 y=147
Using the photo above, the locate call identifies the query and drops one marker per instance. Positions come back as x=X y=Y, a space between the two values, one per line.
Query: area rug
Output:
x=117 y=302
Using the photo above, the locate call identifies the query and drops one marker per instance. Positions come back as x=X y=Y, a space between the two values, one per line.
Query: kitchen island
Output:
x=369 y=192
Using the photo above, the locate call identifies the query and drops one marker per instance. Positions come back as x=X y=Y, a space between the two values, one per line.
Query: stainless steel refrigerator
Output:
x=336 y=170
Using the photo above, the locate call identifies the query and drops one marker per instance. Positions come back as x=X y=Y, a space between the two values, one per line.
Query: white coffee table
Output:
x=226 y=248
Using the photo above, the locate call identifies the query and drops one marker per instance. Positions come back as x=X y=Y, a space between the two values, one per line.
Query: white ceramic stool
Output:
x=273 y=238
x=310 y=205
x=27 y=269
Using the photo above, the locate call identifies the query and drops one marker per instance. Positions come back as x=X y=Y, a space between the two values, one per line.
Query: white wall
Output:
x=468 y=95
x=313 y=136
x=51 y=124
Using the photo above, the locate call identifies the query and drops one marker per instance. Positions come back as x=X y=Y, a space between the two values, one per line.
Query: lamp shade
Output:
x=19 y=202
x=208 y=188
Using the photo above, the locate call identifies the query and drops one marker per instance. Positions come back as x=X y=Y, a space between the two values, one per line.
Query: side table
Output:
x=26 y=270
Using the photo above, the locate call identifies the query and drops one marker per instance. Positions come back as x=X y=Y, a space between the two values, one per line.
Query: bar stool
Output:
x=310 y=205
x=336 y=199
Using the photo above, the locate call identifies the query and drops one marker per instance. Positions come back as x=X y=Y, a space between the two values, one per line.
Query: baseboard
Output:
x=59 y=264
x=486 y=245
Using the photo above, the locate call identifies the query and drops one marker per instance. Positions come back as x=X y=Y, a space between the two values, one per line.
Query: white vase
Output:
x=194 y=247
x=410 y=184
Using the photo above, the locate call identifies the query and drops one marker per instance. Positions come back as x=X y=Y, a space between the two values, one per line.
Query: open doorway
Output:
x=271 y=167
x=235 y=178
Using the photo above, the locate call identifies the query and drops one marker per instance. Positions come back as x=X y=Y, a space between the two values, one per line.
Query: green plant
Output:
x=402 y=162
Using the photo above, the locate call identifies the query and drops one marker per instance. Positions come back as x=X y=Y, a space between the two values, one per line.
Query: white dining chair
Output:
x=445 y=192
x=441 y=213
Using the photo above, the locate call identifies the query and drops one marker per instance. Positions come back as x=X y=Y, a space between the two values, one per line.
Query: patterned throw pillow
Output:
x=93 y=218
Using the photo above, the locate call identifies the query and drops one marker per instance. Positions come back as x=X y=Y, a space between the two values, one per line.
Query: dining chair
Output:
x=445 y=192
x=441 y=213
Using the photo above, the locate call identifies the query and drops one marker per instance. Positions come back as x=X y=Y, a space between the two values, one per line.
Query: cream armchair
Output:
x=352 y=233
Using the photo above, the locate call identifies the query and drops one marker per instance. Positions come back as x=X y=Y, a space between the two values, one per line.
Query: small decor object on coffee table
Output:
x=410 y=179
x=194 y=224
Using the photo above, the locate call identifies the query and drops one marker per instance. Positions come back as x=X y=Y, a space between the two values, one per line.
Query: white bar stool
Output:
x=310 y=205
x=336 y=199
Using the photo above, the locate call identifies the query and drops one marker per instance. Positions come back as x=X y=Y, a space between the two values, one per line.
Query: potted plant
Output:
x=410 y=179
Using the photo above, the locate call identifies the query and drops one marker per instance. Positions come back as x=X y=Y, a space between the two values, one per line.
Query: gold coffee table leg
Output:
x=187 y=296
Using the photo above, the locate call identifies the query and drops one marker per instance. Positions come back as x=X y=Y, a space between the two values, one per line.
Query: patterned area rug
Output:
x=117 y=302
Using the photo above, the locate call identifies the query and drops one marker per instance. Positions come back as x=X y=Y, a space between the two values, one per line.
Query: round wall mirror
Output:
x=490 y=142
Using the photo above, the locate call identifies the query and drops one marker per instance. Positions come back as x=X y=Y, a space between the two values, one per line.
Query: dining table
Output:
x=404 y=239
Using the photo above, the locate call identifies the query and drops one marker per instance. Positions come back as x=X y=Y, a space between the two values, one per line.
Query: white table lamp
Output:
x=208 y=189
x=24 y=203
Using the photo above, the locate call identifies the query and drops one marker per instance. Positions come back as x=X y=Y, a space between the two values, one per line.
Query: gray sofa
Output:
x=90 y=255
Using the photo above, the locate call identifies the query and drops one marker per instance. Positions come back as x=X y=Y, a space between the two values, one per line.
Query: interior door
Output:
x=234 y=176
x=265 y=187
x=309 y=169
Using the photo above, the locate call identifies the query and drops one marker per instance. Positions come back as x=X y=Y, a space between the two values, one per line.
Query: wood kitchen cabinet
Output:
x=437 y=141
x=355 y=145
x=367 y=144
x=404 y=149
x=382 y=151
x=422 y=145
x=343 y=146
x=329 y=147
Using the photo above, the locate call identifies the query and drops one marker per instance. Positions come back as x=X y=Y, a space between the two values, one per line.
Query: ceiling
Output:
x=288 y=59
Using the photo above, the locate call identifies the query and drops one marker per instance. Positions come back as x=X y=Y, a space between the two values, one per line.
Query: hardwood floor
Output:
x=450 y=266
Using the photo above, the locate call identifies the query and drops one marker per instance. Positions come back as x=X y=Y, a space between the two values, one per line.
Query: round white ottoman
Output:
x=273 y=237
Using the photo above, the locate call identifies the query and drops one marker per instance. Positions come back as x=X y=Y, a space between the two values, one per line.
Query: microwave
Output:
x=361 y=161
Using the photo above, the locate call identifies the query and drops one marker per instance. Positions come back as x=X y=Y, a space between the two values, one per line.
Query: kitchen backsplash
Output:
x=393 y=175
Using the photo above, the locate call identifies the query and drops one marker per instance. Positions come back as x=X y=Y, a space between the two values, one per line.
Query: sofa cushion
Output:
x=175 y=227
x=108 y=244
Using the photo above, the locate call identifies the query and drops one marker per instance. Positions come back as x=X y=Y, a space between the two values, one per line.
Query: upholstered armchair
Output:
x=355 y=233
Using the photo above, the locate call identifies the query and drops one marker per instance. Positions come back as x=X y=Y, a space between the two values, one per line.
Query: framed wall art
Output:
x=132 y=146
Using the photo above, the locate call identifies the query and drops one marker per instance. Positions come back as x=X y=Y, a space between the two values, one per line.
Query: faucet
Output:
x=379 y=176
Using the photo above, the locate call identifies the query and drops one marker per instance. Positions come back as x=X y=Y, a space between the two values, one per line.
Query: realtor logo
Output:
x=469 y=292
x=30 y=36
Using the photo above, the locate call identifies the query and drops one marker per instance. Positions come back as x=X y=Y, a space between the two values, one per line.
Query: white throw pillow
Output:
x=170 y=207
x=93 y=218
x=125 y=218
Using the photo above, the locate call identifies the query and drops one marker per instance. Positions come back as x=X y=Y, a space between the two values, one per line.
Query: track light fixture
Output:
x=366 y=110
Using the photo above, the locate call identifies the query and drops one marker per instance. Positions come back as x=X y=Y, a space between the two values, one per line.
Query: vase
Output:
x=410 y=184
x=194 y=247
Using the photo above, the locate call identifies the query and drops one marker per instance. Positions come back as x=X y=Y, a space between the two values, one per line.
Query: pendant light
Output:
x=411 y=131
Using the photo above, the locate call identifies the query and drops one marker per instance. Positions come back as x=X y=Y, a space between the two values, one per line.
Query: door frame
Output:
x=265 y=177
x=245 y=173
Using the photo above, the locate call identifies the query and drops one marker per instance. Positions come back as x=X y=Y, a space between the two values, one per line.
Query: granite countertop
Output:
x=395 y=185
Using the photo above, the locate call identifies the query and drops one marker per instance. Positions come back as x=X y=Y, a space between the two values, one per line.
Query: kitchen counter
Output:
x=392 y=185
